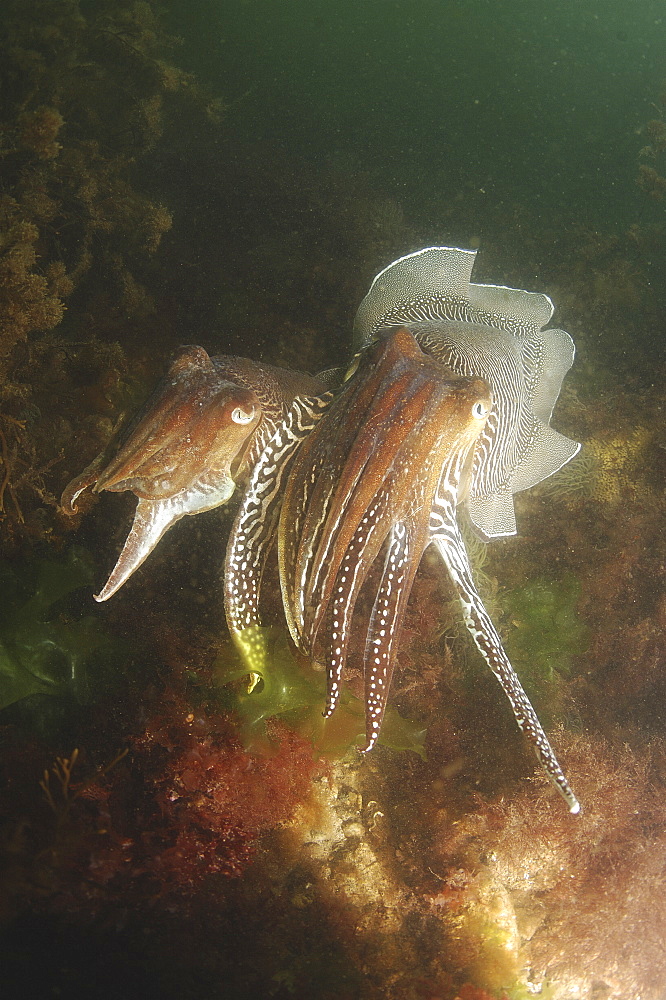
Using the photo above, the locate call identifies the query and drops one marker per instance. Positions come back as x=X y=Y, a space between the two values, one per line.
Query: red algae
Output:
x=586 y=895
x=216 y=798
x=185 y=804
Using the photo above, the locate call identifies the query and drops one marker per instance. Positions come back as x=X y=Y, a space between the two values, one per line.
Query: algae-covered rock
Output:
x=546 y=633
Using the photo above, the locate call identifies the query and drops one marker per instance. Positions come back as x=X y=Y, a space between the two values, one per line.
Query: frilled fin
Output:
x=556 y=358
x=153 y=518
x=546 y=358
x=493 y=516
x=434 y=284
x=550 y=452
x=447 y=538
x=252 y=533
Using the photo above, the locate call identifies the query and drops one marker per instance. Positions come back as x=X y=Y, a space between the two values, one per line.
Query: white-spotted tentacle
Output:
x=321 y=478
x=445 y=535
x=383 y=632
x=348 y=582
x=253 y=529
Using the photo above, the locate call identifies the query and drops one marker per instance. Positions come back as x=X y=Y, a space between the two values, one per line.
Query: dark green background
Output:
x=531 y=103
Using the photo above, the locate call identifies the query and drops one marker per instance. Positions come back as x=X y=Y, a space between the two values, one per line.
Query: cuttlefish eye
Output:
x=480 y=410
x=240 y=416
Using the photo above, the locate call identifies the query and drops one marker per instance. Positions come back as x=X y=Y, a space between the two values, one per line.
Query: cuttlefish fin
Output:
x=493 y=516
x=448 y=540
x=252 y=533
x=550 y=451
x=546 y=368
x=153 y=518
x=511 y=309
x=435 y=284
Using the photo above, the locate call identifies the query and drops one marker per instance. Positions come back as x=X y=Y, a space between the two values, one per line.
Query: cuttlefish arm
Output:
x=364 y=482
x=254 y=526
x=177 y=455
x=152 y=519
x=445 y=535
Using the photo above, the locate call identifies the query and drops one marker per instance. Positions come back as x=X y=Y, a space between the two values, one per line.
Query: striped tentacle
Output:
x=381 y=444
x=368 y=473
x=324 y=503
x=402 y=558
x=357 y=560
x=311 y=489
x=445 y=534
x=252 y=532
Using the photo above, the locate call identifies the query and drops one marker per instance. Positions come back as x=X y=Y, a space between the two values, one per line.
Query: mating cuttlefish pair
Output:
x=447 y=405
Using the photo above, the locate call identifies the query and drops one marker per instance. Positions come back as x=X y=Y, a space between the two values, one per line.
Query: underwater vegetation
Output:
x=187 y=804
x=293 y=691
x=544 y=633
x=87 y=94
x=610 y=469
x=650 y=173
x=43 y=650
x=585 y=900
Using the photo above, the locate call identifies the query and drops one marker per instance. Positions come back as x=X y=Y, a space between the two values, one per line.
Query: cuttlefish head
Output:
x=180 y=455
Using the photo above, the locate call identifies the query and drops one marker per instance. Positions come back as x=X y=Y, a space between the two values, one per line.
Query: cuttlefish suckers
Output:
x=194 y=439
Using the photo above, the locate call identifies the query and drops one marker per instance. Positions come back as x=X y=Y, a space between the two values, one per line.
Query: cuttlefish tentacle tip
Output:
x=370 y=741
x=70 y=496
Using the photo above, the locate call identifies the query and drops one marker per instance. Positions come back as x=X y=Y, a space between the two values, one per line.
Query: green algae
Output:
x=296 y=692
x=545 y=633
x=43 y=649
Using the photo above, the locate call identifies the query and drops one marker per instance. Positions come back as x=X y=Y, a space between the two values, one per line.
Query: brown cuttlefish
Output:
x=395 y=442
x=379 y=477
x=197 y=436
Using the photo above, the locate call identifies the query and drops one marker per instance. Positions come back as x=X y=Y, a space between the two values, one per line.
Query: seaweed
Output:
x=43 y=649
x=87 y=93
x=546 y=634
x=296 y=693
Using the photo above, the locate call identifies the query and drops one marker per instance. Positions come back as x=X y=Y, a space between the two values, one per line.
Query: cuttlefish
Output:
x=394 y=446
x=196 y=438
x=448 y=411
x=380 y=475
x=495 y=333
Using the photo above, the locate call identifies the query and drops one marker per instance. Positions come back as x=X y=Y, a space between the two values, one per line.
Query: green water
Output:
x=528 y=104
